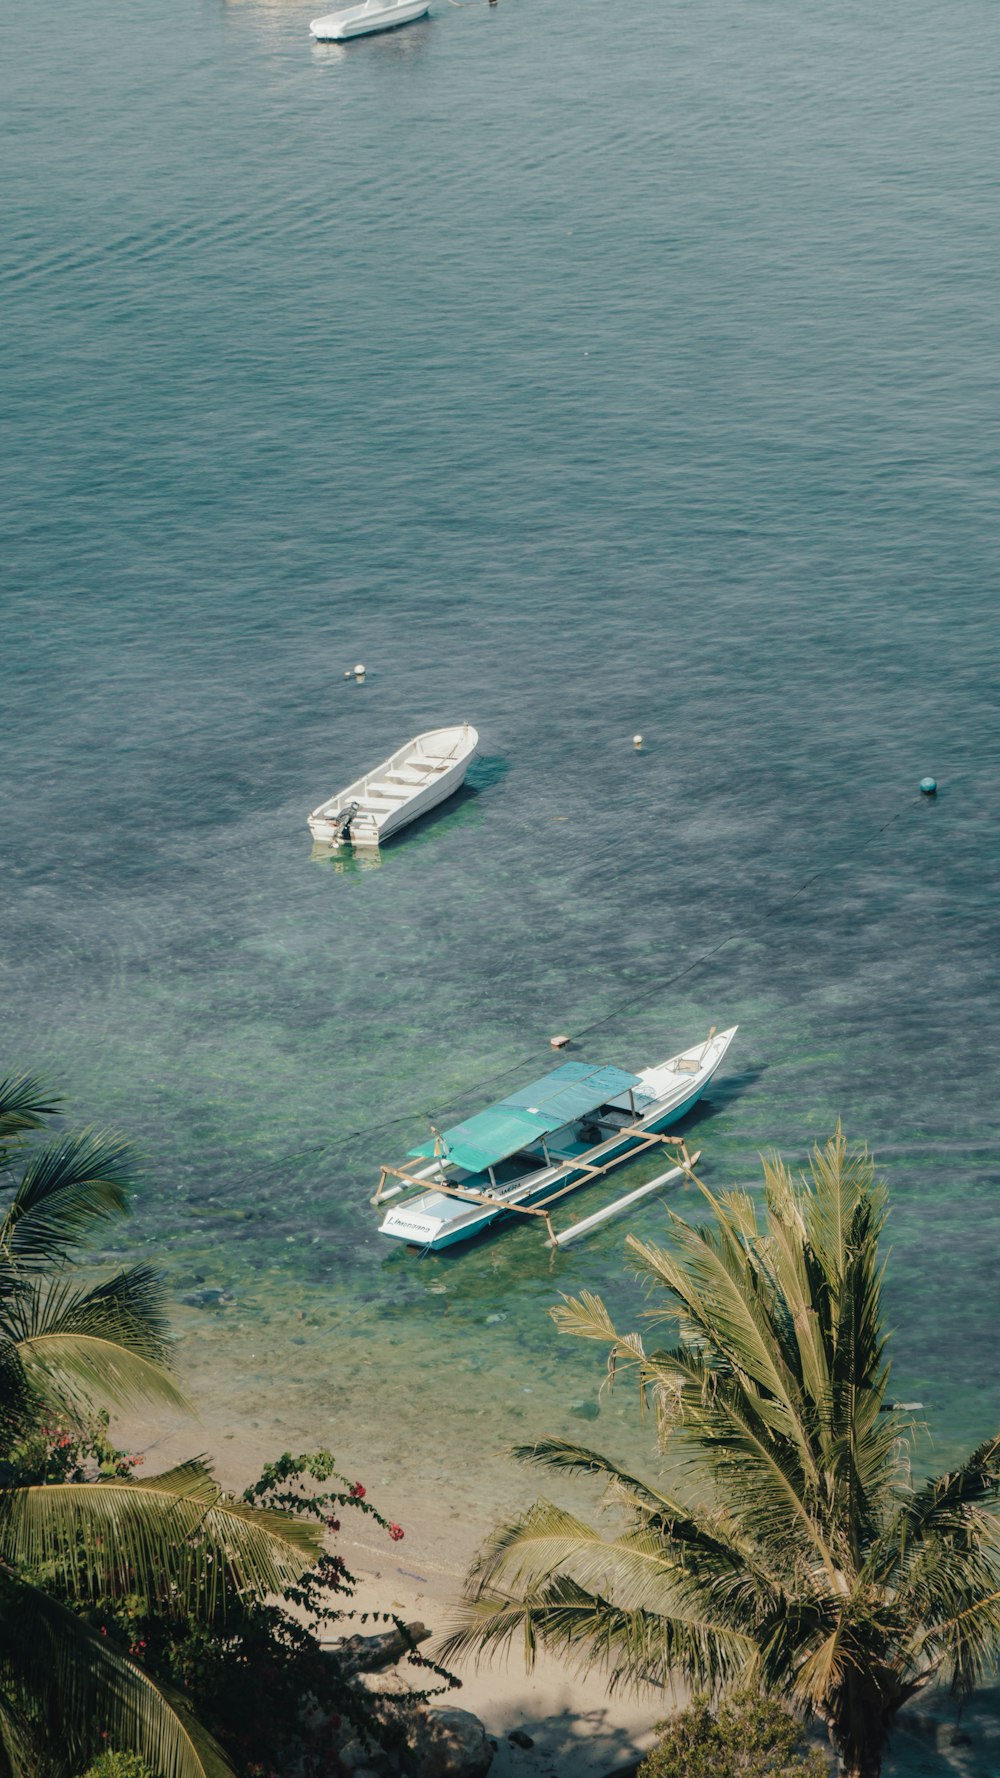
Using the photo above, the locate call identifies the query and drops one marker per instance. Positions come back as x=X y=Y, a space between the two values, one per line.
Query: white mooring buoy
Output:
x=637 y=740
x=359 y=671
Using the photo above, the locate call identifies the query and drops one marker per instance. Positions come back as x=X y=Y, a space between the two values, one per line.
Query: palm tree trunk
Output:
x=867 y=1764
x=859 y=1731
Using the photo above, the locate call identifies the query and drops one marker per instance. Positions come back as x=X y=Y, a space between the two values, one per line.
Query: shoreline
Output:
x=577 y=1729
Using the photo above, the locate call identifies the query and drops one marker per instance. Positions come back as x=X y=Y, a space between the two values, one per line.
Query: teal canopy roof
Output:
x=544 y=1105
x=571 y=1091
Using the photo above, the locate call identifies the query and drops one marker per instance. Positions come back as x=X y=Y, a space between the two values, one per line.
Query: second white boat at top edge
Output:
x=362 y=21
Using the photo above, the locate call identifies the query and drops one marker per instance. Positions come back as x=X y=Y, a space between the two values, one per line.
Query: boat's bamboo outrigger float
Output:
x=525 y=1154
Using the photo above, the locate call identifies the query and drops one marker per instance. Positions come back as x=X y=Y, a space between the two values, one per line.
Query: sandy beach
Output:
x=577 y=1729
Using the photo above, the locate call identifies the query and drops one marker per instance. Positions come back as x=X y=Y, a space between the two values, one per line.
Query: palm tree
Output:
x=785 y=1547
x=175 y=1535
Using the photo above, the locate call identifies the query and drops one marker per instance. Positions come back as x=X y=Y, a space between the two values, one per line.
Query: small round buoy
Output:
x=637 y=740
x=928 y=787
x=347 y=675
x=359 y=671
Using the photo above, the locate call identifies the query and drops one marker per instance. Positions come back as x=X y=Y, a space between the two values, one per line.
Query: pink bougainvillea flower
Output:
x=396 y=1532
x=358 y=1491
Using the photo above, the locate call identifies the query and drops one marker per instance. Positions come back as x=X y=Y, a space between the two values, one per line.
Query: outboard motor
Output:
x=342 y=825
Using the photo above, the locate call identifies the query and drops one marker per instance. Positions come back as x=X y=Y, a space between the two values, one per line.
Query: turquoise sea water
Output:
x=582 y=374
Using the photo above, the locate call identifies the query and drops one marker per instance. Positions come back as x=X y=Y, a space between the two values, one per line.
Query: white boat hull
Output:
x=363 y=21
x=411 y=782
x=434 y=1220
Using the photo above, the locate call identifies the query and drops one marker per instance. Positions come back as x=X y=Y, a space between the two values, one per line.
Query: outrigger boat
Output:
x=410 y=782
x=531 y=1149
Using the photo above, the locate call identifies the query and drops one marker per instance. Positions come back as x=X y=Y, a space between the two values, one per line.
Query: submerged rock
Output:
x=208 y=1299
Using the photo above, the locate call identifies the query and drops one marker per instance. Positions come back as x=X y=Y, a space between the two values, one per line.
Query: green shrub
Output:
x=118 y=1765
x=745 y=1737
x=249 y=1670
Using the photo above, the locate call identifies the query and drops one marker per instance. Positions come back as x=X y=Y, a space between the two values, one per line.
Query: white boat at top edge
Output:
x=411 y=781
x=361 y=21
x=542 y=1142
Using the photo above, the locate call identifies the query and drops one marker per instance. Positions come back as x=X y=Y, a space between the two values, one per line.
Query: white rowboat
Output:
x=411 y=781
x=531 y=1149
x=361 y=21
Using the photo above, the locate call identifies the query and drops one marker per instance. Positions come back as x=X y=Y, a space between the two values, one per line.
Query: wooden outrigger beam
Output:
x=428 y=1183
x=649 y=1140
x=577 y=1229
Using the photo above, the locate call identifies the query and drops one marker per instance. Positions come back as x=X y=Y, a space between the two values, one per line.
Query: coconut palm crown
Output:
x=786 y=1546
x=63 y=1348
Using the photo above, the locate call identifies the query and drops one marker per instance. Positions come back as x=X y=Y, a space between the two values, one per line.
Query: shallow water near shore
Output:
x=580 y=384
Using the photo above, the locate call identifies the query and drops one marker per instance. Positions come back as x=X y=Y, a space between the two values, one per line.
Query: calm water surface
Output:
x=579 y=381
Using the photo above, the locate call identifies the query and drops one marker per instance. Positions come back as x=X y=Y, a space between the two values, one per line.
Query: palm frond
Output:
x=19 y=1750
x=695 y=1534
x=170 y=1534
x=730 y=1430
x=19 y=1403
x=66 y=1189
x=560 y=1453
x=686 y=1572
x=129 y=1307
x=936 y=1529
x=632 y=1648
x=106 y=1344
x=74 y=1371
x=24 y=1105
x=588 y=1318
x=726 y=1310
x=62 y=1672
x=843 y=1179
x=962 y=1648
x=941 y=1505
